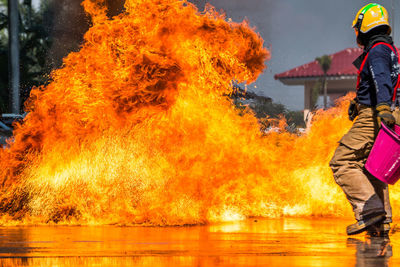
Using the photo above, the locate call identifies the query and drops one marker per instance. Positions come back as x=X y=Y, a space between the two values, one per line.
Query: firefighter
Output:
x=376 y=91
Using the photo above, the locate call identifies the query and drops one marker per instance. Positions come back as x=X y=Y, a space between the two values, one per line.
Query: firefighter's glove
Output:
x=353 y=110
x=385 y=115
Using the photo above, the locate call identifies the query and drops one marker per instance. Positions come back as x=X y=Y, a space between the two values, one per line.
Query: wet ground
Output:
x=264 y=242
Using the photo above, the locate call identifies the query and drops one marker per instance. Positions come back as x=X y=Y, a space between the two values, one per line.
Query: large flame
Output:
x=136 y=128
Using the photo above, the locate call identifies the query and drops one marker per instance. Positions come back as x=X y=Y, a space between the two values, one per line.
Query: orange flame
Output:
x=136 y=128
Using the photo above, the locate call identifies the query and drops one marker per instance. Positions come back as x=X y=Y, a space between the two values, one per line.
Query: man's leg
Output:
x=350 y=176
x=382 y=191
x=348 y=169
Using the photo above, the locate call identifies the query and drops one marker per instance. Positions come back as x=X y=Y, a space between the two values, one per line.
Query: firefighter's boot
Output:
x=379 y=230
x=363 y=224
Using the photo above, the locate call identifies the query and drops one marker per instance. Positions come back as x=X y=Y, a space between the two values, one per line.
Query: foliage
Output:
x=3 y=57
x=315 y=93
x=267 y=109
x=295 y=118
x=35 y=42
x=325 y=64
x=268 y=112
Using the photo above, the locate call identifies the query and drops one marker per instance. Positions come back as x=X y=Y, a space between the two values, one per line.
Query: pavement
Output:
x=252 y=242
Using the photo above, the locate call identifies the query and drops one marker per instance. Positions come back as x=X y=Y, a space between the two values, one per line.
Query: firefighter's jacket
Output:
x=378 y=76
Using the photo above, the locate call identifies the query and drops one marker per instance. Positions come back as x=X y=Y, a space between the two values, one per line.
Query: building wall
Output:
x=336 y=88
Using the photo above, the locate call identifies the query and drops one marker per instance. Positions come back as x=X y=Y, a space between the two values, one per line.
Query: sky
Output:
x=296 y=32
x=36 y=3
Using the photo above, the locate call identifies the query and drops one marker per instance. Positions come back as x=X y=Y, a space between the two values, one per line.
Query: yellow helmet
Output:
x=371 y=16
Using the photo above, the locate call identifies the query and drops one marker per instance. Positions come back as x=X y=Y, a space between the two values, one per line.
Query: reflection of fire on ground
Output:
x=136 y=128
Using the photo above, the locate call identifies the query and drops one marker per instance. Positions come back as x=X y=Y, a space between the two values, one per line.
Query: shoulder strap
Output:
x=396 y=52
x=366 y=56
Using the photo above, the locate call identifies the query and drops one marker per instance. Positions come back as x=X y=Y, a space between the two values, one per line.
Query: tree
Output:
x=35 y=41
x=315 y=93
x=325 y=64
x=265 y=110
x=47 y=35
x=3 y=56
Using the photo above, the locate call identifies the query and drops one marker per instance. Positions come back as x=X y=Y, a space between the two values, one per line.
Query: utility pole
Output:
x=13 y=35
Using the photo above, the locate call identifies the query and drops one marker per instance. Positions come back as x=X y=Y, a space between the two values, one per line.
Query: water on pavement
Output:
x=267 y=242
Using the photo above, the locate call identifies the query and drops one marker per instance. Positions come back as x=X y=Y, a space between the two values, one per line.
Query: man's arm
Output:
x=380 y=69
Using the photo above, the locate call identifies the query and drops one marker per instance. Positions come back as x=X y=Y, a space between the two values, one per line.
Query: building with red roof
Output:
x=341 y=76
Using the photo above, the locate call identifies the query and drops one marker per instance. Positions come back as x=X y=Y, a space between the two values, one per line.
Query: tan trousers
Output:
x=366 y=194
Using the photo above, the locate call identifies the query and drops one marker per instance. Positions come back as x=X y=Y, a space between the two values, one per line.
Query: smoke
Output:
x=258 y=12
x=68 y=22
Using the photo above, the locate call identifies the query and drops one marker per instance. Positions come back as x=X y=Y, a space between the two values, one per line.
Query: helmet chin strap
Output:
x=359 y=22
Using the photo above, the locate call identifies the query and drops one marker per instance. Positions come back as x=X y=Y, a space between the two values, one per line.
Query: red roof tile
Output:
x=341 y=65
